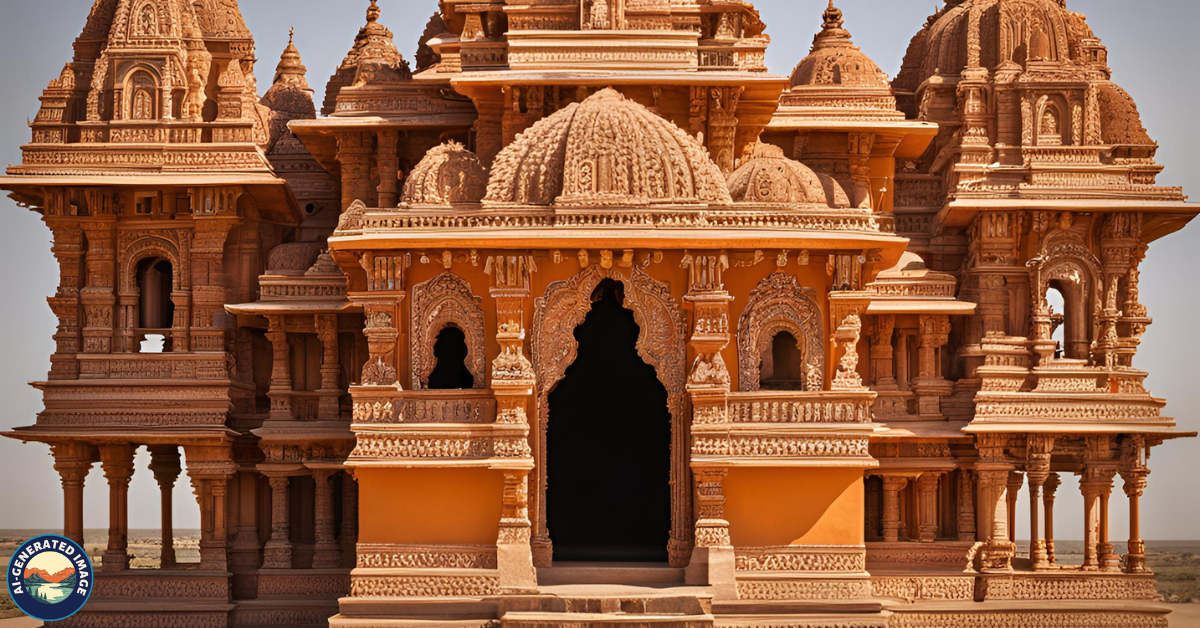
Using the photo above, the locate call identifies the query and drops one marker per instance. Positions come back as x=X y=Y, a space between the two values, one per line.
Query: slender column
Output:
x=1015 y=480
x=278 y=553
x=1135 y=485
x=165 y=465
x=902 y=376
x=117 y=463
x=209 y=469
x=354 y=157
x=966 y=506
x=328 y=407
x=349 y=532
x=1037 y=471
x=1109 y=560
x=930 y=386
x=892 y=485
x=927 y=510
x=280 y=391
x=73 y=461
x=993 y=472
x=1134 y=471
x=882 y=354
x=325 y=552
x=1091 y=489
x=1051 y=487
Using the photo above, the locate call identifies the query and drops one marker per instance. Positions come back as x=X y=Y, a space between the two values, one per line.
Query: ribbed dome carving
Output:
x=835 y=60
x=607 y=150
x=768 y=176
x=448 y=174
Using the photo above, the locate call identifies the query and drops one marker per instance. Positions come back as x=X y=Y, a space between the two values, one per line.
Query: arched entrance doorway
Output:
x=609 y=443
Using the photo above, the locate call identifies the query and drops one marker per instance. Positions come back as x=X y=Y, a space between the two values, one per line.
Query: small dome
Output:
x=289 y=93
x=767 y=176
x=373 y=59
x=835 y=60
x=607 y=150
x=448 y=174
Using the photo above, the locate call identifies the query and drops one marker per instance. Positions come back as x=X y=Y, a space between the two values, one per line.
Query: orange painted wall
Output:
x=794 y=506
x=452 y=506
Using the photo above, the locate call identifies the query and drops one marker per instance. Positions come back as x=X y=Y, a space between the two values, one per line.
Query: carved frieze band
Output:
x=780 y=445
x=801 y=558
x=382 y=556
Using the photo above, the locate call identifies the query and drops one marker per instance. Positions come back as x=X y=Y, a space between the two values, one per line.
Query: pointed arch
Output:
x=662 y=343
x=446 y=301
x=778 y=304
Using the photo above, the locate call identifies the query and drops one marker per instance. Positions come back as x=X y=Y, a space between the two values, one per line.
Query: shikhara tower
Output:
x=583 y=285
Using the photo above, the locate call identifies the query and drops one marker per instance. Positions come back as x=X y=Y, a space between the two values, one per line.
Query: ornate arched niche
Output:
x=662 y=343
x=135 y=247
x=1067 y=265
x=142 y=95
x=446 y=301
x=779 y=304
x=1053 y=121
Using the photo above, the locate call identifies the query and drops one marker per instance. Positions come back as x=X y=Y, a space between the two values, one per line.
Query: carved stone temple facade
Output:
x=580 y=317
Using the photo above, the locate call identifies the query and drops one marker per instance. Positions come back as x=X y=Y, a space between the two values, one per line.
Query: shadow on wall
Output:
x=794 y=506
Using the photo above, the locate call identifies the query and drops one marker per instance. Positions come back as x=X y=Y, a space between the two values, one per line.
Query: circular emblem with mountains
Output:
x=50 y=577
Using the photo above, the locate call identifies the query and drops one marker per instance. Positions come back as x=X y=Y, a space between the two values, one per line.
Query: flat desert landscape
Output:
x=1177 y=564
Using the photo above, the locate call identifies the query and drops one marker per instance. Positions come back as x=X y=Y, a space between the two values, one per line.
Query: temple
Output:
x=580 y=317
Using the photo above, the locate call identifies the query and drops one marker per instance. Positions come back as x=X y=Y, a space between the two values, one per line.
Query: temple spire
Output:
x=291 y=70
x=833 y=17
x=373 y=12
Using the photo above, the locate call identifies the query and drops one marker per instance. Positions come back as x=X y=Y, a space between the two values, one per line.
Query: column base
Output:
x=277 y=555
x=115 y=560
x=543 y=551
x=714 y=567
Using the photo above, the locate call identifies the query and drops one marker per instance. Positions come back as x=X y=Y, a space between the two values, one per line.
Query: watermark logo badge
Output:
x=50 y=577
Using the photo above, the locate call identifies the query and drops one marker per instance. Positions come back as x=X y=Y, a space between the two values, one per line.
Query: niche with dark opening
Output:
x=155 y=281
x=609 y=444
x=782 y=364
x=450 y=370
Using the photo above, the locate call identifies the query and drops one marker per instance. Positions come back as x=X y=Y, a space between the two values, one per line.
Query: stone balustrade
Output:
x=800 y=407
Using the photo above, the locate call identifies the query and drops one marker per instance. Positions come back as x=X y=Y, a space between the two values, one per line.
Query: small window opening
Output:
x=156 y=311
x=450 y=353
x=782 y=365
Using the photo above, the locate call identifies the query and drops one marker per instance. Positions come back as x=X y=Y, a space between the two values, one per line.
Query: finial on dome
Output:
x=373 y=12
x=291 y=68
x=833 y=17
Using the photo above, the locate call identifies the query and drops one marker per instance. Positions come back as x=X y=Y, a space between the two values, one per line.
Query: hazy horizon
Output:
x=1146 y=43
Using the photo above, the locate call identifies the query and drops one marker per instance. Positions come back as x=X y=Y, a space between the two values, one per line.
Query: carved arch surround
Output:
x=152 y=246
x=446 y=301
x=779 y=303
x=662 y=343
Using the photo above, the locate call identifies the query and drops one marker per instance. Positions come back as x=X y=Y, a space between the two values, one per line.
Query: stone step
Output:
x=608 y=573
x=603 y=620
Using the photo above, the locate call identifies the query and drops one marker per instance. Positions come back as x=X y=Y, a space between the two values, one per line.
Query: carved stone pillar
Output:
x=1037 y=471
x=280 y=391
x=1109 y=560
x=326 y=553
x=930 y=386
x=73 y=461
x=385 y=274
x=210 y=469
x=712 y=558
x=99 y=296
x=1091 y=489
x=892 y=485
x=489 y=129
x=328 y=408
x=278 y=552
x=1134 y=473
x=388 y=164
x=165 y=465
x=1013 y=489
x=68 y=251
x=354 y=158
x=859 y=148
x=1050 y=488
x=514 y=557
x=513 y=381
x=200 y=302
x=117 y=463
x=1098 y=471
x=722 y=125
x=882 y=353
x=966 y=506
x=348 y=536
x=708 y=386
x=903 y=379
x=993 y=477
x=927 y=509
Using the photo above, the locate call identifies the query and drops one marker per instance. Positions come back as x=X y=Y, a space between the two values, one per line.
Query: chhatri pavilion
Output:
x=581 y=317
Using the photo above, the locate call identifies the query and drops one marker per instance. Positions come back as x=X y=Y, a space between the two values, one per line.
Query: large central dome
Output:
x=606 y=150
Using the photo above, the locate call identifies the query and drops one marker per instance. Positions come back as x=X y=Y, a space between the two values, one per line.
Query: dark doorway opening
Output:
x=450 y=370
x=609 y=445
x=780 y=368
